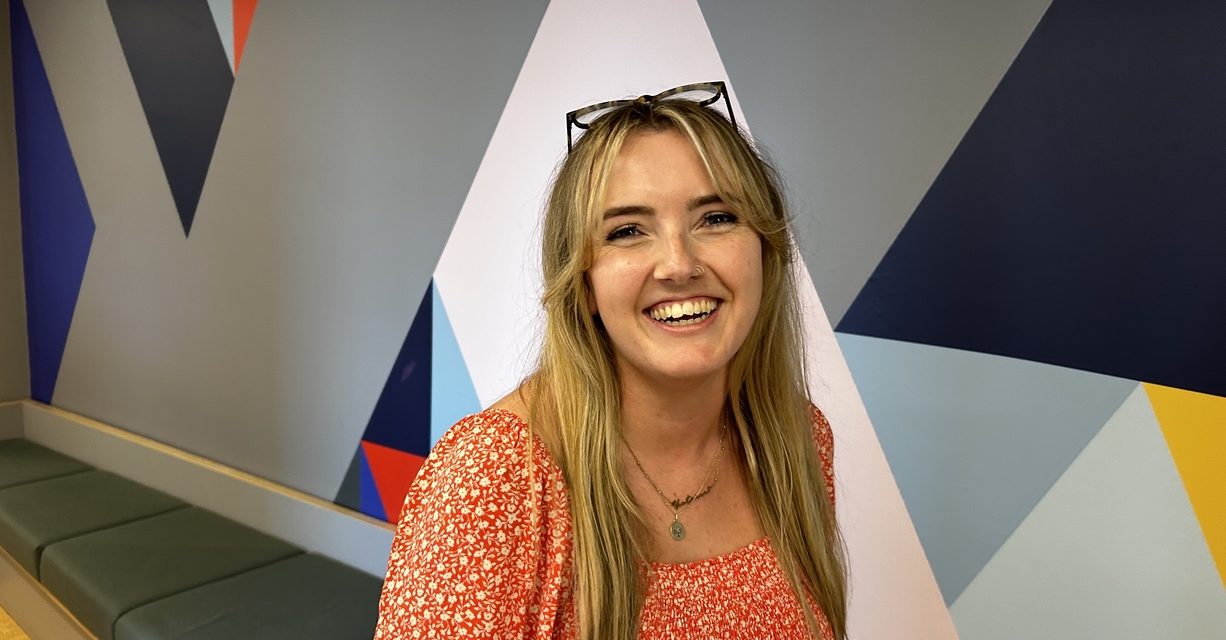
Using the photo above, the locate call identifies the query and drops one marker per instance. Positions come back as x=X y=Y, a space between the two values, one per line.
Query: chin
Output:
x=688 y=374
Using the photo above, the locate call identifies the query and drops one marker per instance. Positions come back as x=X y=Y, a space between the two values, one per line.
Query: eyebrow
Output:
x=638 y=209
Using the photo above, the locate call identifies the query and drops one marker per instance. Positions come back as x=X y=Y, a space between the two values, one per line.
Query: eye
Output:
x=624 y=231
x=719 y=218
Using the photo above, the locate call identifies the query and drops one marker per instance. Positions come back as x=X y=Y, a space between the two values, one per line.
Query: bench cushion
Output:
x=305 y=597
x=36 y=514
x=101 y=575
x=22 y=461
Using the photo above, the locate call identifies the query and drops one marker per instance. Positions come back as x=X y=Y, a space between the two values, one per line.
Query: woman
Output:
x=662 y=473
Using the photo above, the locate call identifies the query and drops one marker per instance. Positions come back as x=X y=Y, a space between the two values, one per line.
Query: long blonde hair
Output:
x=574 y=399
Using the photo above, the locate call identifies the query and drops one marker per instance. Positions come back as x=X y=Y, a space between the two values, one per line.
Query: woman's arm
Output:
x=824 y=436
x=463 y=561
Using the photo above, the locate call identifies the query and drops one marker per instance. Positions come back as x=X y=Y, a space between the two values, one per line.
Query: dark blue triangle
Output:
x=1082 y=219
x=401 y=419
x=57 y=227
x=371 y=504
x=183 y=79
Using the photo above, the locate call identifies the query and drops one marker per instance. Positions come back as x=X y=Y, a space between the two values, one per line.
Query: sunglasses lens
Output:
x=585 y=119
x=704 y=95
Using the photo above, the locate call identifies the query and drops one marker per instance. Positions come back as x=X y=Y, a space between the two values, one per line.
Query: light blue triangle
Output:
x=1113 y=550
x=974 y=440
x=452 y=395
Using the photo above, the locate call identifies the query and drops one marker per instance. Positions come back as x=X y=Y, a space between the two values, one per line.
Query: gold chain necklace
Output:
x=676 y=529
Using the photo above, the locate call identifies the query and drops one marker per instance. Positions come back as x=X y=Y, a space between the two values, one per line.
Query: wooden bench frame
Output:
x=37 y=611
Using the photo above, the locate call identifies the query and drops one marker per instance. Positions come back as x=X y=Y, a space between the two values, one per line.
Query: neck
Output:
x=672 y=418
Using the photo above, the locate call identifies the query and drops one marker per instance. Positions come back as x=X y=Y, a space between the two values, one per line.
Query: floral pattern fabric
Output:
x=483 y=550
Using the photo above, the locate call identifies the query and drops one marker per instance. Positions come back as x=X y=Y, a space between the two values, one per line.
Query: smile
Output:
x=680 y=314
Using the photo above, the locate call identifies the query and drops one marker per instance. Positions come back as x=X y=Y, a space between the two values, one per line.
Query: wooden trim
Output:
x=212 y=465
x=35 y=609
x=308 y=521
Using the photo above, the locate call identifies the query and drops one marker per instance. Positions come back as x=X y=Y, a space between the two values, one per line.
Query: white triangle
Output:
x=585 y=52
x=1113 y=550
x=223 y=17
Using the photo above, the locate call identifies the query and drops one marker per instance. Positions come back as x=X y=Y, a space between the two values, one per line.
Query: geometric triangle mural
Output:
x=1003 y=438
x=1079 y=220
x=57 y=228
x=1195 y=428
x=369 y=500
x=183 y=77
x=244 y=12
x=452 y=395
x=1069 y=246
x=392 y=472
x=427 y=391
x=1112 y=551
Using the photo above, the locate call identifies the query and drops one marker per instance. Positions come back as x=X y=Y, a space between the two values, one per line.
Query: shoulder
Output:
x=823 y=436
x=492 y=438
x=467 y=545
x=491 y=456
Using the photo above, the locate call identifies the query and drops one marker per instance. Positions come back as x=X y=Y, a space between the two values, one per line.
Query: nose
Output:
x=677 y=262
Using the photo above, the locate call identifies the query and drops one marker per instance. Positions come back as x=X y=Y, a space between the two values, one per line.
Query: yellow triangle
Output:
x=1195 y=428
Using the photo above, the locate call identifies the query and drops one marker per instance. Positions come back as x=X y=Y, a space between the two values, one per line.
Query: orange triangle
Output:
x=1194 y=425
x=244 y=11
x=394 y=472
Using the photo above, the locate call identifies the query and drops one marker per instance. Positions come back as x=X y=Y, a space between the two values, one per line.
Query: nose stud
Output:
x=698 y=271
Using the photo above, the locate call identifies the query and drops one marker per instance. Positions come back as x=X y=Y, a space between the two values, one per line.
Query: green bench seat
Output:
x=304 y=597
x=133 y=563
x=22 y=461
x=102 y=575
x=37 y=514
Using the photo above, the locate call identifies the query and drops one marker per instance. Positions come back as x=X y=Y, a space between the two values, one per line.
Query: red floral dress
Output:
x=483 y=550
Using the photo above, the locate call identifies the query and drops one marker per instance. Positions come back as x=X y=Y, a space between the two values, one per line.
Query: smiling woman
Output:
x=671 y=364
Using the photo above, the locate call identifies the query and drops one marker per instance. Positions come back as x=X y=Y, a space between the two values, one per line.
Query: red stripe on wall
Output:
x=244 y=10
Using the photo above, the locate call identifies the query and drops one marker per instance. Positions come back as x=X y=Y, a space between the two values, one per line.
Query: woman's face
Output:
x=661 y=220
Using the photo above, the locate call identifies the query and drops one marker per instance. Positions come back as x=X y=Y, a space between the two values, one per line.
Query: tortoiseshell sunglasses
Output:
x=704 y=93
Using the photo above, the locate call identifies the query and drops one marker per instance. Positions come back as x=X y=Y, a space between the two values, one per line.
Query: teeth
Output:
x=675 y=314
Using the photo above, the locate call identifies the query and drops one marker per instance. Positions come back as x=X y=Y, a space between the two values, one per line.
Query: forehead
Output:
x=656 y=165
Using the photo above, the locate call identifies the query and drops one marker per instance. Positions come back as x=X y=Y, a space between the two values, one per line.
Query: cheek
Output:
x=754 y=276
x=605 y=281
x=752 y=265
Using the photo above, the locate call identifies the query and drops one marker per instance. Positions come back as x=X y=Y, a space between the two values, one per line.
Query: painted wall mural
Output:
x=1009 y=215
x=57 y=227
x=183 y=69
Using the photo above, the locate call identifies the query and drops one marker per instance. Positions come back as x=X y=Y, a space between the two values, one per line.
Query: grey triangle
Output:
x=350 y=493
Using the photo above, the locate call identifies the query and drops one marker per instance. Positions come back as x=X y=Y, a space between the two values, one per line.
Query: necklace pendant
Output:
x=677 y=530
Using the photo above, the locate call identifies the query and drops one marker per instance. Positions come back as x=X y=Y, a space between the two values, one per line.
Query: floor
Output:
x=9 y=629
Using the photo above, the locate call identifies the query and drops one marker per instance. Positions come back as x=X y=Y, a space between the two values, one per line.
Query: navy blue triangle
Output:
x=401 y=419
x=57 y=227
x=1082 y=219
x=183 y=79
